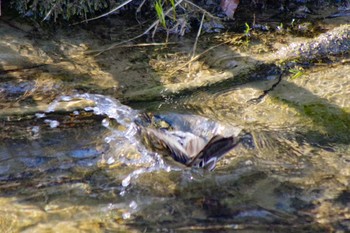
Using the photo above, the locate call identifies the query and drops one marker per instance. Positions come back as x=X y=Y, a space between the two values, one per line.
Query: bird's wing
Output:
x=194 y=146
x=177 y=151
x=217 y=147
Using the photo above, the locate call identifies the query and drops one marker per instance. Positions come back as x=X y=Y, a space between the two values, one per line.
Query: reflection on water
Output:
x=98 y=177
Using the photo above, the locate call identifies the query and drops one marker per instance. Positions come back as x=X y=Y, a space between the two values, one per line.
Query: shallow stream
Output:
x=99 y=176
x=71 y=158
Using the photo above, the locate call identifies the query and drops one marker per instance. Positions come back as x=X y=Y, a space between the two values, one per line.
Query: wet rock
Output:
x=334 y=42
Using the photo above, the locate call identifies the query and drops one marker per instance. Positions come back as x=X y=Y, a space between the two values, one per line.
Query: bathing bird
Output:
x=187 y=148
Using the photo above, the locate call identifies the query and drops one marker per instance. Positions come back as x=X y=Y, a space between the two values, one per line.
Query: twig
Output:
x=155 y=29
x=22 y=68
x=140 y=6
x=154 y=24
x=196 y=40
x=48 y=13
x=105 y=14
x=137 y=45
x=126 y=41
x=139 y=9
x=198 y=34
x=197 y=57
x=145 y=45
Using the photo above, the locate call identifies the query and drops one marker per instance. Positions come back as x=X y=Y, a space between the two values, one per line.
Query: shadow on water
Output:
x=57 y=179
x=332 y=121
x=330 y=126
x=244 y=200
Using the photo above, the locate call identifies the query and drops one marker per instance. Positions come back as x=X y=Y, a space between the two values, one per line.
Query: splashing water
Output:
x=124 y=139
x=120 y=139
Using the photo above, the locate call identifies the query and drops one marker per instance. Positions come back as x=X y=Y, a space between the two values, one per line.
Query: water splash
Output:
x=124 y=138
x=52 y=123
x=121 y=139
x=111 y=108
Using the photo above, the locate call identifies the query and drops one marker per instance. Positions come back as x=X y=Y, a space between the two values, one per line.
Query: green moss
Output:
x=326 y=119
x=278 y=100
x=335 y=120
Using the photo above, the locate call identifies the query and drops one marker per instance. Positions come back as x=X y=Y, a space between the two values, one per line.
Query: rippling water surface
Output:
x=291 y=176
x=99 y=177
x=80 y=164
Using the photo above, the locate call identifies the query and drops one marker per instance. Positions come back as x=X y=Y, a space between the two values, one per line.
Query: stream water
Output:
x=72 y=160
x=100 y=177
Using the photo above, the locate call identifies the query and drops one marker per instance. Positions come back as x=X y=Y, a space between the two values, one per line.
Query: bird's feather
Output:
x=217 y=147
x=190 y=149
x=177 y=151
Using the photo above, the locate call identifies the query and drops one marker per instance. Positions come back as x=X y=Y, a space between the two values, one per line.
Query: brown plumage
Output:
x=189 y=149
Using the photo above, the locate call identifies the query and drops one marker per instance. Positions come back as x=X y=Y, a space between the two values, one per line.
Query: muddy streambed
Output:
x=71 y=159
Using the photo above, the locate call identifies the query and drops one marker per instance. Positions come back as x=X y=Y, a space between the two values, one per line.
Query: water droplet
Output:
x=35 y=129
x=249 y=162
x=111 y=160
x=133 y=205
x=126 y=181
x=126 y=215
x=105 y=123
x=40 y=115
x=52 y=123
x=66 y=98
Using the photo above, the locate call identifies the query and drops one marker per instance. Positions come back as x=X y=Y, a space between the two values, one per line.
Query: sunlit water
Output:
x=86 y=170
x=100 y=177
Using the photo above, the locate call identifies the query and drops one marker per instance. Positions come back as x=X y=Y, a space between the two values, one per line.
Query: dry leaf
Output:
x=229 y=7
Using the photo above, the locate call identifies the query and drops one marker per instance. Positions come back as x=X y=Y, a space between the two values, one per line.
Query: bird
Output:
x=186 y=148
